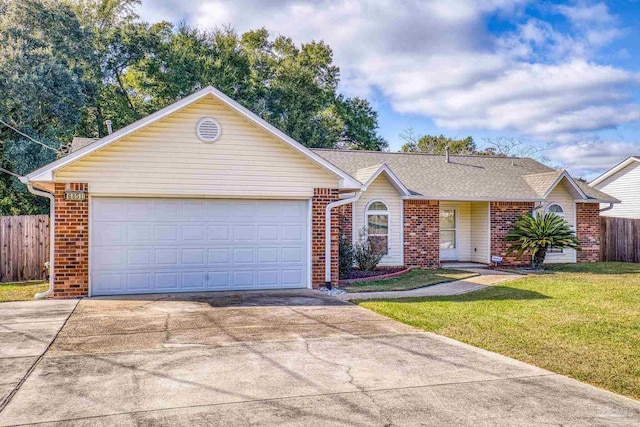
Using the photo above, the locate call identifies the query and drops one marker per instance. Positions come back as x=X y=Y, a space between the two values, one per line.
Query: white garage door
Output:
x=176 y=245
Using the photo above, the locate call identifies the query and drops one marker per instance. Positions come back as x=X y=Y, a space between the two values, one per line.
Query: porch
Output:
x=464 y=232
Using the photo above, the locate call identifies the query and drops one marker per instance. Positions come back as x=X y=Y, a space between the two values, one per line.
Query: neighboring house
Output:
x=205 y=195
x=622 y=182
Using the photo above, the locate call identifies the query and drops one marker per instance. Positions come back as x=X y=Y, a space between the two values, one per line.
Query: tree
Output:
x=431 y=144
x=43 y=52
x=509 y=146
x=66 y=66
x=538 y=233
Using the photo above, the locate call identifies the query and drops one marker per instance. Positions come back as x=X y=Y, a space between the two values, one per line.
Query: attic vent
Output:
x=208 y=129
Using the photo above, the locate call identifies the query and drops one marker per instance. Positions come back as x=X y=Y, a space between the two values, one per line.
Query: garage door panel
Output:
x=164 y=245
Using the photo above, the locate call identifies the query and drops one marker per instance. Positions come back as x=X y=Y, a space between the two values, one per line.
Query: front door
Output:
x=448 y=234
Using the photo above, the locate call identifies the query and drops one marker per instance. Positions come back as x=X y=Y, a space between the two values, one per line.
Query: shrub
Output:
x=345 y=253
x=538 y=233
x=365 y=254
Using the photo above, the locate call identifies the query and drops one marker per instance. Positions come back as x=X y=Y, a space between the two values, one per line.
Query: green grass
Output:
x=580 y=320
x=23 y=291
x=412 y=280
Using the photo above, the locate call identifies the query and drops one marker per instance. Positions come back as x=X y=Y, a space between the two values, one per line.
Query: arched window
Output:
x=377 y=220
x=556 y=209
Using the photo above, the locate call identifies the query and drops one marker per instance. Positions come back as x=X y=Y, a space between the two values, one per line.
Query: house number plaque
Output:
x=75 y=195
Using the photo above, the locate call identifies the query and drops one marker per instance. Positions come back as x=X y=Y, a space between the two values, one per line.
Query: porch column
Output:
x=421 y=233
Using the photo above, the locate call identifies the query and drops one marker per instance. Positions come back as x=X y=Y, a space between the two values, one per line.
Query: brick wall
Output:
x=345 y=220
x=422 y=233
x=71 y=244
x=588 y=231
x=322 y=197
x=503 y=217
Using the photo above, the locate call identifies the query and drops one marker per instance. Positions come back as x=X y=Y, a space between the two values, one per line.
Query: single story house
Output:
x=622 y=182
x=204 y=195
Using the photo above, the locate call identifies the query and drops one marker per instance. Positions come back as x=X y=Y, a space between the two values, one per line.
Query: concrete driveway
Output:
x=281 y=358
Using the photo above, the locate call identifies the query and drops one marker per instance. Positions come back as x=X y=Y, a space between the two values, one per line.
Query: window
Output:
x=378 y=225
x=556 y=209
x=448 y=229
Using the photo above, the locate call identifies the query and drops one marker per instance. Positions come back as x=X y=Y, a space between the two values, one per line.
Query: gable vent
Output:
x=208 y=129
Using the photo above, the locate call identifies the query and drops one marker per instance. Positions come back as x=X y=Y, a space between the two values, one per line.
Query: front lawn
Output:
x=414 y=279
x=23 y=291
x=580 y=320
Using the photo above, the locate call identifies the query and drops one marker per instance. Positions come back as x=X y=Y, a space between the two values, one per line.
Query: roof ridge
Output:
x=493 y=156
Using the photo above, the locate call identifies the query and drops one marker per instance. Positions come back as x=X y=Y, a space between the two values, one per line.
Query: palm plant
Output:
x=538 y=233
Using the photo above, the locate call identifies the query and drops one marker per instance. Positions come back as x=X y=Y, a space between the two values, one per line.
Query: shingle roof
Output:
x=465 y=177
x=78 y=143
x=594 y=193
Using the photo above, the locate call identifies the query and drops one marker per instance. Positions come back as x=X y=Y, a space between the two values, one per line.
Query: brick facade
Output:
x=71 y=244
x=422 y=233
x=321 y=198
x=588 y=231
x=345 y=220
x=503 y=217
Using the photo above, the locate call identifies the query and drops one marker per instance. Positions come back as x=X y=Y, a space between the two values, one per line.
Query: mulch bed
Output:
x=358 y=275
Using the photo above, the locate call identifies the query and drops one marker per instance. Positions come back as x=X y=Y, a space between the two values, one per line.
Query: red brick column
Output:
x=321 y=198
x=588 y=231
x=71 y=244
x=503 y=217
x=422 y=233
x=345 y=220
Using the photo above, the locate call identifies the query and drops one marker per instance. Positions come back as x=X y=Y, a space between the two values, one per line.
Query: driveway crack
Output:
x=13 y=392
x=348 y=368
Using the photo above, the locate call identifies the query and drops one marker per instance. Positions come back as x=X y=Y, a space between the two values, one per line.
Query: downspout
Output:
x=540 y=204
x=607 y=208
x=327 y=235
x=51 y=231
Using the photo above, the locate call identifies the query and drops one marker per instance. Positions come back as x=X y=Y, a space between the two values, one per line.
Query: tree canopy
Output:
x=67 y=66
x=432 y=144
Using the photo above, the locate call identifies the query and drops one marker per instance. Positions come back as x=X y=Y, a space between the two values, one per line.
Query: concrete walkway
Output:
x=485 y=278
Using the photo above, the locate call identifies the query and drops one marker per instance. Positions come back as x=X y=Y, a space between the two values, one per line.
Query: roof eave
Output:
x=623 y=164
x=471 y=199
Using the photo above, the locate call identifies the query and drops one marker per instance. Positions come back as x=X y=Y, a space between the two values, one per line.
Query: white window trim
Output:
x=563 y=216
x=386 y=212
x=456 y=229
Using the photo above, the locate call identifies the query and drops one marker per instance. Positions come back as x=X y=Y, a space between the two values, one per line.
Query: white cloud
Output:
x=589 y=159
x=438 y=59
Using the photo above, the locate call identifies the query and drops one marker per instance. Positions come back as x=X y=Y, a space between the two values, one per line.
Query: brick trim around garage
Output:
x=71 y=243
x=321 y=198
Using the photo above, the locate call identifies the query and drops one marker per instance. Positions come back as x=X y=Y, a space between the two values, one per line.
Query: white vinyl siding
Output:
x=624 y=185
x=381 y=189
x=167 y=159
x=480 y=232
x=562 y=195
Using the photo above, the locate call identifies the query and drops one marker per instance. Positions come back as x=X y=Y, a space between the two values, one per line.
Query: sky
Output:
x=563 y=76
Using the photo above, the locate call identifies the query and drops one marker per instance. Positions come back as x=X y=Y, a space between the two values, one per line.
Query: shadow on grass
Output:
x=492 y=293
x=596 y=268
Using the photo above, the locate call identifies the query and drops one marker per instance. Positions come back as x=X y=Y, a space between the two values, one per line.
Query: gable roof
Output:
x=369 y=174
x=617 y=168
x=45 y=173
x=464 y=177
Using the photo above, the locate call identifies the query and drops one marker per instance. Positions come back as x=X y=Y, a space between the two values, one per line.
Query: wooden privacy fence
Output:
x=24 y=247
x=619 y=239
